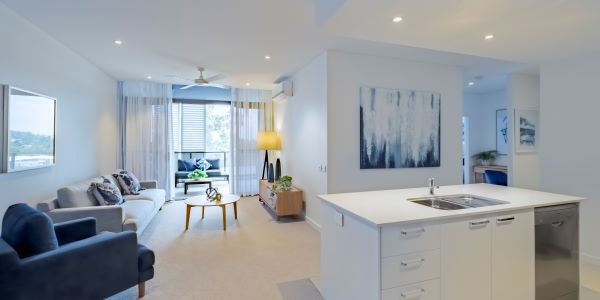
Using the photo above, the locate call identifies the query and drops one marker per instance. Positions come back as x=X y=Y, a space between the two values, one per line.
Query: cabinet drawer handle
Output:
x=506 y=219
x=412 y=262
x=412 y=294
x=479 y=223
x=412 y=232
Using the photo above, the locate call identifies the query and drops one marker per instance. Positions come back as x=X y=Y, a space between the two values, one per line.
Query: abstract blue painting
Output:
x=399 y=128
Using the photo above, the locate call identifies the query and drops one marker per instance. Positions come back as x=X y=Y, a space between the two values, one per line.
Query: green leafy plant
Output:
x=486 y=156
x=197 y=174
x=284 y=183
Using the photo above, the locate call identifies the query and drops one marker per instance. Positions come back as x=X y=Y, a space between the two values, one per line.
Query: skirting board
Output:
x=590 y=259
x=312 y=223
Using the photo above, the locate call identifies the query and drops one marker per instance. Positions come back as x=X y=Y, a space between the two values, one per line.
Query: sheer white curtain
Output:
x=251 y=111
x=145 y=125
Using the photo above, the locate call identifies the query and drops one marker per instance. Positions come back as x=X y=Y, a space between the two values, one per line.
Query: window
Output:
x=201 y=127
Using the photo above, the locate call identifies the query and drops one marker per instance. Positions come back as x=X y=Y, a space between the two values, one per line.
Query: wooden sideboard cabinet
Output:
x=286 y=203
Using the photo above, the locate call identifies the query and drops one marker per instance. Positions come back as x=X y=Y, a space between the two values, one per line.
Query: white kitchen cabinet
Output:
x=513 y=256
x=465 y=259
x=491 y=257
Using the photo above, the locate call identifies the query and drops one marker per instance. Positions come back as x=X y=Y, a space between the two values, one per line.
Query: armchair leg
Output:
x=141 y=289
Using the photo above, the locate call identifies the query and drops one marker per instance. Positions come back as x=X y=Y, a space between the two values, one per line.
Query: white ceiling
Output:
x=232 y=36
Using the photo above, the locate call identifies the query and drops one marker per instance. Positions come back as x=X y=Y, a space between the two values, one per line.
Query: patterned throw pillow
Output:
x=106 y=192
x=130 y=185
x=203 y=164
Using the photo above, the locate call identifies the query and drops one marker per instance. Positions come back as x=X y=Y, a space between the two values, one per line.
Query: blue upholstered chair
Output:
x=496 y=177
x=41 y=260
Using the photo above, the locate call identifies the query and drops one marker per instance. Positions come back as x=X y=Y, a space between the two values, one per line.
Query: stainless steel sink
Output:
x=454 y=202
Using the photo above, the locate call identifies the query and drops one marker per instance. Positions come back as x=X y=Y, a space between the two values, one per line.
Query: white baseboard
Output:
x=590 y=259
x=312 y=223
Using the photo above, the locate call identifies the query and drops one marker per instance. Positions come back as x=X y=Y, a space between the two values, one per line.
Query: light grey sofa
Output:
x=74 y=202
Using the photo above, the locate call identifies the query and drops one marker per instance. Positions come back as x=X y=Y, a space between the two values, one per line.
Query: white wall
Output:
x=86 y=109
x=301 y=121
x=346 y=74
x=523 y=93
x=570 y=140
x=481 y=108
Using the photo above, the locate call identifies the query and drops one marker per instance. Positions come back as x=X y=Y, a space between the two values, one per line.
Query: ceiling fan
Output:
x=201 y=81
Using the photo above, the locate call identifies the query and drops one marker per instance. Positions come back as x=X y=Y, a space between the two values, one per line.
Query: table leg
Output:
x=210 y=184
x=235 y=209
x=224 y=218
x=202 y=212
x=187 y=216
x=185 y=187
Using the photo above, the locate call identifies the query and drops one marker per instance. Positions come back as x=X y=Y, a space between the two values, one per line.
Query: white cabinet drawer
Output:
x=409 y=268
x=402 y=239
x=427 y=290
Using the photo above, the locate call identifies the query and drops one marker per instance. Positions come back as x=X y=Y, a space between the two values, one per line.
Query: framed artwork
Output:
x=502 y=132
x=399 y=128
x=28 y=130
x=526 y=130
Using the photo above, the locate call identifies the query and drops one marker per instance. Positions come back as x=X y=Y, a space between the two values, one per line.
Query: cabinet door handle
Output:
x=479 y=223
x=505 y=219
x=412 y=294
x=412 y=232
x=412 y=263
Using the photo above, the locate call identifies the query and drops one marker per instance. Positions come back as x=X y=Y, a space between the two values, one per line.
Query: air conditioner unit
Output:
x=283 y=90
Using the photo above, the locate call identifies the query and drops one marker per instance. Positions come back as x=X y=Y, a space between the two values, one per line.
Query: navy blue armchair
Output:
x=496 y=177
x=41 y=260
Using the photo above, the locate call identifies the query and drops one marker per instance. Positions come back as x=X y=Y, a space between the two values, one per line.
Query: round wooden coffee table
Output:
x=202 y=202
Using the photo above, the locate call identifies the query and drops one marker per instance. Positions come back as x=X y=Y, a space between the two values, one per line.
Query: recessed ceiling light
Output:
x=397 y=19
x=118 y=42
x=267 y=57
x=489 y=37
x=471 y=83
x=148 y=77
x=247 y=83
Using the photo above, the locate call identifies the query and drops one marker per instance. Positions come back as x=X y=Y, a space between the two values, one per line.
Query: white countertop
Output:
x=391 y=207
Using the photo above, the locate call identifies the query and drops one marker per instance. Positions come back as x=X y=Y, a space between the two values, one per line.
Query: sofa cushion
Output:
x=77 y=195
x=129 y=184
x=106 y=192
x=154 y=195
x=28 y=231
x=203 y=164
x=189 y=164
x=215 y=164
x=138 y=210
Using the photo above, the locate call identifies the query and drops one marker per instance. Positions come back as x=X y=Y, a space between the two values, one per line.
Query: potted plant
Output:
x=283 y=184
x=485 y=158
x=197 y=174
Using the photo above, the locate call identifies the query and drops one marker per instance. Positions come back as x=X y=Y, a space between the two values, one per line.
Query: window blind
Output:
x=189 y=127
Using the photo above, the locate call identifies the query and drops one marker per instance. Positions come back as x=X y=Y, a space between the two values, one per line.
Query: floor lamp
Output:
x=267 y=140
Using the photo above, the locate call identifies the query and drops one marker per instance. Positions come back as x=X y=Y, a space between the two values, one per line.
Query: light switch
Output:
x=339 y=218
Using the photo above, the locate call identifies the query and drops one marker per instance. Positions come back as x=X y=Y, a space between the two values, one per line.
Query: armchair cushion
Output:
x=28 y=230
x=75 y=230
x=145 y=258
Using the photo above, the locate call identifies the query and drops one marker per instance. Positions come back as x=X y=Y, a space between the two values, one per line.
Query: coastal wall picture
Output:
x=399 y=128
x=527 y=130
x=501 y=132
x=27 y=126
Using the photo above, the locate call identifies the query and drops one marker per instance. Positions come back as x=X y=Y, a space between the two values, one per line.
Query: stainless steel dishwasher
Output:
x=557 y=252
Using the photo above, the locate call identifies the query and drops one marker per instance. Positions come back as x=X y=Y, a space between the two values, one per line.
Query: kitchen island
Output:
x=381 y=245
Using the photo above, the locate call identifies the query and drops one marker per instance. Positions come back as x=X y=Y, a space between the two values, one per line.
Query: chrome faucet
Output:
x=432 y=186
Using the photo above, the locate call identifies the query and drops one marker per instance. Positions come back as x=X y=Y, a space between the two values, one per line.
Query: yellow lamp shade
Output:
x=268 y=140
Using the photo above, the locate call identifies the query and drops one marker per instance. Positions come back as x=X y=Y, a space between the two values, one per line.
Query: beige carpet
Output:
x=246 y=262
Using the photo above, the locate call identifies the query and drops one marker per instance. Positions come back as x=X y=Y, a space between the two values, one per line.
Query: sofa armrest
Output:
x=93 y=268
x=108 y=218
x=75 y=230
x=149 y=184
x=48 y=205
x=9 y=259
